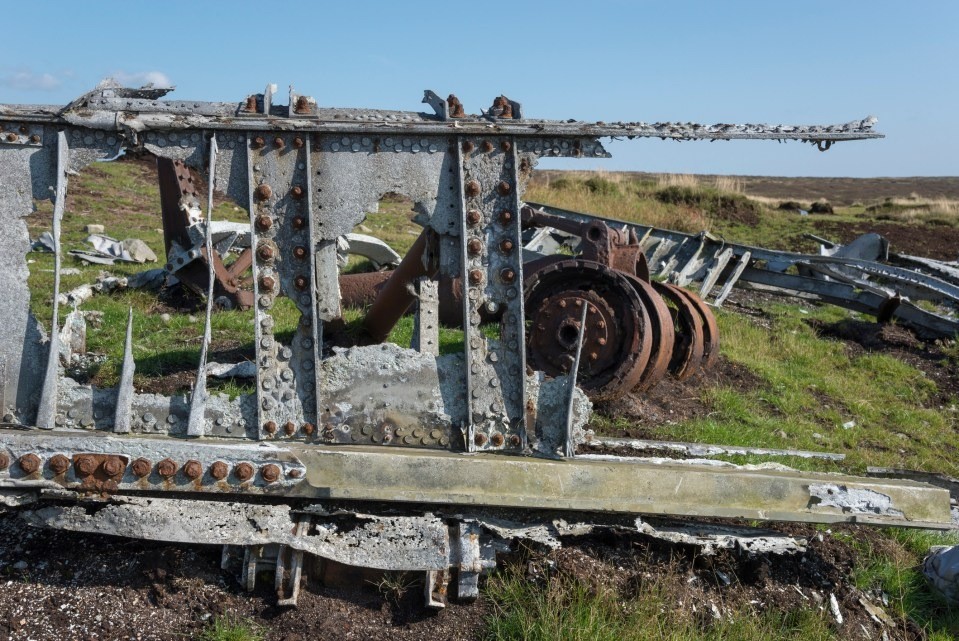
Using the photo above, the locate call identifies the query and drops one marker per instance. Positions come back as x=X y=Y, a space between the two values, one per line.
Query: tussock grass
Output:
x=916 y=210
x=227 y=628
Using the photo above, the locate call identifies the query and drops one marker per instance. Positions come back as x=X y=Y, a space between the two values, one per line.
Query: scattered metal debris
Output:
x=313 y=432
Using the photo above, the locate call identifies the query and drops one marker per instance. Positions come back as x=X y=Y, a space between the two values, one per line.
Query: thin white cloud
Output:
x=26 y=80
x=142 y=78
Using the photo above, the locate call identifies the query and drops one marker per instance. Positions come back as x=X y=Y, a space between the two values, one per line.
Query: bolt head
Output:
x=4 y=460
x=59 y=464
x=514 y=440
x=468 y=146
x=219 y=470
x=34 y=138
x=243 y=471
x=113 y=466
x=166 y=468
x=507 y=275
x=269 y=427
x=279 y=143
x=474 y=246
x=141 y=467
x=504 y=188
x=265 y=252
x=299 y=252
x=505 y=216
x=497 y=440
x=298 y=142
x=294 y=474
x=300 y=282
x=479 y=439
x=476 y=276
x=258 y=142
x=86 y=465
x=297 y=192
x=263 y=191
x=299 y=222
x=506 y=146
x=11 y=137
x=473 y=217
x=192 y=469
x=267 y=282
x=506 y=246
x=487 y=146
x=289 y=428
x=264 y=222
x=308 y=428
x=472 y=188
x=270 y=473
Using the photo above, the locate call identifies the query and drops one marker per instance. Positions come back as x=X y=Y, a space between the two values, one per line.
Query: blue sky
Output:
x=777 y=62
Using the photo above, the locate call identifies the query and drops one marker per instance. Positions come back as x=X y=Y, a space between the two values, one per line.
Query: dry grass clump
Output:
x=915 y=209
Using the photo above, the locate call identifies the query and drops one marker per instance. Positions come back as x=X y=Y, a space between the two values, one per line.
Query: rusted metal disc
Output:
x=710 y=329
x=616 y=339
x=689 y=343
x=661 y=328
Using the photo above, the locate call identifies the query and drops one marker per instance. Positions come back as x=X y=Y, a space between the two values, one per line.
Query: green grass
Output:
x=564 y=609
x=226 y=628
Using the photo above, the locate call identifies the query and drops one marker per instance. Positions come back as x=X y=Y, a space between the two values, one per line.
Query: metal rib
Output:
x=196 y=424
x=124 y=406
x=46 y=413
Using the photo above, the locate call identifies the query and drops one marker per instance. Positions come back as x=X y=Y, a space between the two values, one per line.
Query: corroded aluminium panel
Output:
x=620 y=485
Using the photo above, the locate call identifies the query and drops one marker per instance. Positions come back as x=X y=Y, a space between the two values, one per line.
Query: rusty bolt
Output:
x=503 y=188
x=270 y=473
x=472 y=188
x=506 y=246
x=480 y=439
x=514 y=440
x=300 y=282
x=269 y=427
x=243 y=471
x=59 y=464
x=294 y=474
x=487 y=146
x=299 y=222
x=24 y=129
x=505 y=145
x=601 y=324
x=141 y=467
x=297 y=192
x=4 y=461
x=35 y=138
x=497 y=440
x=11 y=137
x=219 y=470
x=474 y=246
x=263 y=222
x=279 y=143
x=113 y=465
x=258 y=142
x=298 y=142
x=29 y=463
x=192 y=469
x=264 y=191
x=166 y=468
x=86 y=465
x=593 y=356
x=563 y=304
x=265 y=252
x=476 y=276
x=289 y=428
x=308 y=428
x=467 y=146
x=299 y=252
x=505 y=216
x=508 y=275
x=267 y=282
x=302 y=105
x=601 y=341
x=473 y=217
x=250 y=104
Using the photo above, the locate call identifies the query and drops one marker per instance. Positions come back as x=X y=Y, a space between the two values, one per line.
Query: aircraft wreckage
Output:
x=378 y=456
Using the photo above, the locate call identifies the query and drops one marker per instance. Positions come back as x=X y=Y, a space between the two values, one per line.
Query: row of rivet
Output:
x=13 y=134
x=384 y=433
x=86 y=465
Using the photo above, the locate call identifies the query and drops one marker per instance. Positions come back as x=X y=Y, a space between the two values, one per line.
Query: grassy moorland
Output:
x=807 y=390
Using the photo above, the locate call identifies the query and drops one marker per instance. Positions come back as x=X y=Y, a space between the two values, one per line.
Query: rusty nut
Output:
x=472 y=188
x=279 y=143
x=263 y=191
x=85 y=464
x=507 y=275
x=243 y=471
x=141 y=468
x=258 y=142
x=299 y=252
x=113 y=466
x=487 y=146
x=300 y=282
x=4 y=460
x=219 y=470
x=476 y=276
x=479 y=439
x=193 y=469
x=506 y=245
x=504 y=188
x=265 y=252
x=59 y=464
x=468 y=146
x=299 y=222
x=497 y=440
x=166 y=468
x=290 y=428
x=298 y=141
x=505 y=145
x=473 y=217
x=263 y=222
x=270 y=427
x=505 y=217
x=297 y=192
x=474 y=246
x=267 y=282
x=308 y=428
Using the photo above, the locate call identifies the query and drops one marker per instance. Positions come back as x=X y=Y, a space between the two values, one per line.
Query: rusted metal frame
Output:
x=46 y=413
x=196 y=420
x=569 y=443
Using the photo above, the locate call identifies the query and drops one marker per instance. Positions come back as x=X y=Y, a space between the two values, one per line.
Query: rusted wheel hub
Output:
x=687 y=354
x=616 y=340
